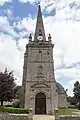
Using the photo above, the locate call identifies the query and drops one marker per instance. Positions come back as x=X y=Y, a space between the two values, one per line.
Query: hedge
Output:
x=14 y=110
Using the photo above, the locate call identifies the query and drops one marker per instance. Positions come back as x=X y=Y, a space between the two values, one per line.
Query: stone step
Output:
x=43 y=117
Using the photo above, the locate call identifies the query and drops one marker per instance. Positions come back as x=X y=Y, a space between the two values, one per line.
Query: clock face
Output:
x=40 y=38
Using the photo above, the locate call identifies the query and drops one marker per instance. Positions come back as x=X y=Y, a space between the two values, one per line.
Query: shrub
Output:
x=72 y=106
x=79 y=106
x=14 y=110
x=62 y=107
x=8 y=105
x=16 y=104
x=2 y=109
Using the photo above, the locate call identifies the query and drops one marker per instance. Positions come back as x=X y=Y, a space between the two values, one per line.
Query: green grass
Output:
x=14 y=110
x=66 y=111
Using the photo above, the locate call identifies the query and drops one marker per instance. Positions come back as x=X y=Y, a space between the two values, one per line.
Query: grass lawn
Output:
x=67 y=111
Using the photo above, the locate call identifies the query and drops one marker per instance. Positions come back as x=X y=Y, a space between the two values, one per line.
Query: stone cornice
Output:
x=34 y=81
x=40 y=45
x=40 y=61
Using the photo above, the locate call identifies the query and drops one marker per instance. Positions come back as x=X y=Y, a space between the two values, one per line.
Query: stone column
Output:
x=48 y=106
x=30 y=116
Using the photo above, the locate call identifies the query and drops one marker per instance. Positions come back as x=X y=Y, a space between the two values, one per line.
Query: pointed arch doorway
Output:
x=40 y=103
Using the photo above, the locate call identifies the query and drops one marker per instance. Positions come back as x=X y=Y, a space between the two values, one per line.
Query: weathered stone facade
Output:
x=62 y=100
x=40 y=76
x=38 y=72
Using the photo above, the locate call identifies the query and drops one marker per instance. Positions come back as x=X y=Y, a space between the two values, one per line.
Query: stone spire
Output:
x=39 y=31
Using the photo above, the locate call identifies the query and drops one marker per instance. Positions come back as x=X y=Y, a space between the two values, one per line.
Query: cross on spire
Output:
x=38 y=3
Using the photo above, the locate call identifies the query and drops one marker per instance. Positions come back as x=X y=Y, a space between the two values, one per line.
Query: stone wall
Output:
x=69 y=118
x=6 y=116
x=62 y=101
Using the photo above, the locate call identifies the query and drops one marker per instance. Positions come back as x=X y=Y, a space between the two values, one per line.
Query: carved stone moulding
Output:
x=39 y=89
x=39 y=76
x=40 y=85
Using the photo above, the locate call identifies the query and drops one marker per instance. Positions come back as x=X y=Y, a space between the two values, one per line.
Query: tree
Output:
x=72 y=100
x=7 y=85
x=76 y=91
x=16 y=89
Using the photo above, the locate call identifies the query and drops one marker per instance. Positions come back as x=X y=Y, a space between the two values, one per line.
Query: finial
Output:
x=49 y=37
x=30 y=37
x=37 y=3
x=5 y=70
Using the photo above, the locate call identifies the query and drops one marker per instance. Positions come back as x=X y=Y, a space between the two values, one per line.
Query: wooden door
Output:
x=40 y=103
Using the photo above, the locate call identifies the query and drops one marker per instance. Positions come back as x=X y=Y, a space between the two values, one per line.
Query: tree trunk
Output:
x=1 y=102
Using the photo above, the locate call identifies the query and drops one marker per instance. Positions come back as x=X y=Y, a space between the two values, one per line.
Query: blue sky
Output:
x=61 y=19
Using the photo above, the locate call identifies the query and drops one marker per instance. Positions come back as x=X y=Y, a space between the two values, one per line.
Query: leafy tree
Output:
x=68 y=98
x=72 y=100
x=76 y=91
x=7 y=85
x=16 y=89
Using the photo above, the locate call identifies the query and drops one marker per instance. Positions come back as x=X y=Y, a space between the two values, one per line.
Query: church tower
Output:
x=38 y=72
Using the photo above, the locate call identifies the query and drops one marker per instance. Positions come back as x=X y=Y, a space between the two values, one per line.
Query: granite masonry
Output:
x=39 y=90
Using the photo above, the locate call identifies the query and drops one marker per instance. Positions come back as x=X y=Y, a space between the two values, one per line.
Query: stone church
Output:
x=40 y=90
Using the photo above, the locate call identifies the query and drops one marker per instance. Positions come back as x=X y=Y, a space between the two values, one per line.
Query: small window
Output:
x=40 y=51
x=48 y=53
x=39 y=30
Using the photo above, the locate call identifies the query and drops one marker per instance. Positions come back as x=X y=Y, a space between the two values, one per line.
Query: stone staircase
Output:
x=43 y=117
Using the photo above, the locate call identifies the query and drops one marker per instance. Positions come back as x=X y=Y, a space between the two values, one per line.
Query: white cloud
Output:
x=65 y=9
x=10 y=56
x=8 y=12
x=6 y=28
x=22 y=44
x=25 y=1
x=2 y=2
x=26 y=23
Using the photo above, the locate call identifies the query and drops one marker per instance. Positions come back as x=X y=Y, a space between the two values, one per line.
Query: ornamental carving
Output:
x=40 y=85
x=39 y=73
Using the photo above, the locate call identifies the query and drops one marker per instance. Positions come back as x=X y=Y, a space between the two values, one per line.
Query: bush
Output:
x=79 y=106
x=62 y=108
x=72 y=106
x=8 y=105
x=16 y=104
x=14 y=110
x=2 y=109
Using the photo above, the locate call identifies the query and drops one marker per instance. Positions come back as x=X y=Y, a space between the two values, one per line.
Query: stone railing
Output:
x=7 y=116
x=73 y=117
